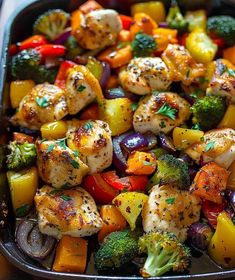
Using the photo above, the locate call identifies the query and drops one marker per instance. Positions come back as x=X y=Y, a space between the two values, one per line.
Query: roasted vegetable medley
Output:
x=122 y=139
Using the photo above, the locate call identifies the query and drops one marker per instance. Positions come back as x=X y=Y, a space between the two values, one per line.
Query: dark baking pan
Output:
x=18 y=27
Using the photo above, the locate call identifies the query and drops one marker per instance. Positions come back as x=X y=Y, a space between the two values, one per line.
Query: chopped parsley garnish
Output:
x=66 y=197
x=55 y=191
x=42 y=102
x=88 y=126
x=143 y=45
x=147 y=163
x=134 y=106
x=196 y=127
x=74 y=163
x=76 y=153
x=22 y=210
x=167 y=111
x=50 y=148
x=170 y=200
x=81 y=88
x=209 y=146
x=162 y=124
x=62 y=143
x=231 y=72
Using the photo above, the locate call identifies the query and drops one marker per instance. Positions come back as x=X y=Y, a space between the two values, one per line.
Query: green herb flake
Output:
x=65 y=197
x=170 y=200
x=22 y=211
x=61 y=143
x=209 y=146
x=196 y=127
x=147 y=163
x=88 y=126
x=168 y=111
x=55 y=191
x=76 y=153
x=231 y=72
x=81 y=88
x=50 y=148
x=42 y=102
x=74 y=163
x=162 y=124
x=134 y=106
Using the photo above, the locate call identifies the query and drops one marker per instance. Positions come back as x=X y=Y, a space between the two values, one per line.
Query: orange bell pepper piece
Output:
x=229 y=54
x=141 y=163
x=164 y=36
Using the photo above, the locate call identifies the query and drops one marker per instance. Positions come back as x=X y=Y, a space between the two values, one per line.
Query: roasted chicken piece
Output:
x=45 y=103
x=170 y=209
x=160 y=112
x=181 y=65
x=92 y=140
x=98 y=29
x=67 y=212
x=81 y=88
x=58 y=165
x=144 y=75
x=222 y=81
x=218 y=145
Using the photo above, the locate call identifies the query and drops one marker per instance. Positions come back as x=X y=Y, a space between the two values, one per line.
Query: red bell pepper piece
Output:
x=126 y=21
x=62 y=73
x=51 y=50
x=219 y=42
x=102 y=192
x=13 y=49
x=211 y=211
x=182 y=39
x=32 y=42
x=91 y=112
x=130 y=183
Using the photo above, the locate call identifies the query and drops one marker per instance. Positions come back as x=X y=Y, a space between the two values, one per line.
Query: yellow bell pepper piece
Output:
x=196 y=19
x=222 y=245
x=200 y=46
x=183 y=137
x=54 y=130
x=228 y=120
x=18 y=90
x=155 y=9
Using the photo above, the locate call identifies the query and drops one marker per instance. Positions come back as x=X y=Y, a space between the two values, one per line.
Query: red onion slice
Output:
x=62 y=38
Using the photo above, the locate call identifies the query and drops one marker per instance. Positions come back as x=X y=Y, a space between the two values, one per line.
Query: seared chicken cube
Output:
x=222 y=82
x=45 y=103
x=144 y=75
x=182 y=67
x=160 y=112
x=218 y=145
x=58 y=165
x=170 y=209
x=67 y=212
x=92 y=140
x=98 y=29
x=81 y=89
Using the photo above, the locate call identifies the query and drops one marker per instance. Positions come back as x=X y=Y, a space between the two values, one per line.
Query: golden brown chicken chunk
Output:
x=222 y=82
x=98 y=29
x=58 y=165
x=45 y=103
x=92 y=139
x=144 y=75
x=218 y=145
x=81 y=89
x=67 y=212
x=170 y=209
x=160 y=112
x=181 y=65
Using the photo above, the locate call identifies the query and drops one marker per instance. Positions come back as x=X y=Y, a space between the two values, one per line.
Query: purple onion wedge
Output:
x=166 y=143
x=152 y=140
x=63 y=37
x=134 y=142
x=105 y=75
x=32 y=242
x=231 y=199
x=200 y=235
x=120 y=93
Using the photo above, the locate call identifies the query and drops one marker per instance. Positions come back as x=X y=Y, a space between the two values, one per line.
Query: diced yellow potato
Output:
x=228 y=120
x=23 y=185
x=231 y=179
x=183 y=138
x=117 y=113
x=130 y=204
x=18 y=89
x=54 y=130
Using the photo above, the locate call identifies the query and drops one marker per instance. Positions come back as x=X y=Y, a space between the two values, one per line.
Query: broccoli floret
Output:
x=26 y=65
x=143 y=45
x=20 y=155
x=174 y=171
x=51 y=24
x=73 y=48
x=222 y=27
x=175 y=18
x=208 y=111
x=165 y=253
x=117 y=249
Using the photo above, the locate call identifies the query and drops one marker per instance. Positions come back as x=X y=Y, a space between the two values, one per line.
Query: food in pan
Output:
x=122 y=139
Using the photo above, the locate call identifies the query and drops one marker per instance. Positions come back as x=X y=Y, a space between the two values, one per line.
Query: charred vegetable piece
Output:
x=33 y=243
x=200 y=235
x=21 y=155
x=52 y=23
x=165 y=253
x=222 y=27
x=117 y=249
x=143 y=45
x=73 y=48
